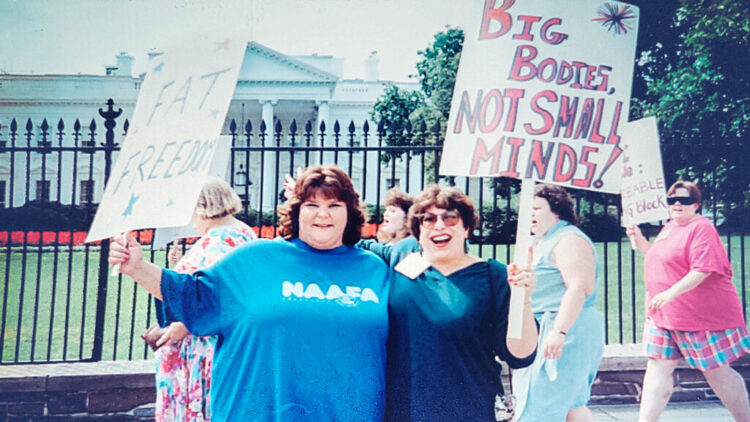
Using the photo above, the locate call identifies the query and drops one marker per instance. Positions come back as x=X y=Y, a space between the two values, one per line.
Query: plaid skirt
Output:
x=703 y=350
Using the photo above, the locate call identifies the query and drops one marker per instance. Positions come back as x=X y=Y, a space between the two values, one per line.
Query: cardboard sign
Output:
x=172 y=138
x=542 y=91
x=644 y=195
x=219 y=168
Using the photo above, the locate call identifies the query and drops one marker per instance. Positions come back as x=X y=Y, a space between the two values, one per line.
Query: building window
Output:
x=138 y=85
x=3 y=204
x=42 y=190
x=87 y=192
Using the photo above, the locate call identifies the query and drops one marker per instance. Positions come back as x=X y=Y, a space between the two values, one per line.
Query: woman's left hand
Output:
x=660 y=300
x=552 y=347
x=523 y=277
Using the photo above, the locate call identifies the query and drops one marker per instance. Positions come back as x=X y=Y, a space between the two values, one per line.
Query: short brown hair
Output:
x=331 y=182
x=395 y=197
x=559 y=201
x=447 y=198
x=692 y=188
x=217 y=199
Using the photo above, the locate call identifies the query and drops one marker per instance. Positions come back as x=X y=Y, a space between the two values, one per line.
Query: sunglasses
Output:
x=684 y=200
x=450 y=219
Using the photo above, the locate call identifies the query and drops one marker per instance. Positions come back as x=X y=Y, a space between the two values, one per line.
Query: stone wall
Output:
x=124 y=390
x=86 y=391
x=620 y=377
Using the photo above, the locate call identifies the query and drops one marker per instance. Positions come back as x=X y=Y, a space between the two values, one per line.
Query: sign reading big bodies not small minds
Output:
x=173 y=135
x=542 y=90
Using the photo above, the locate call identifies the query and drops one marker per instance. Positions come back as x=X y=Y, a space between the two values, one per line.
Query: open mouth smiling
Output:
x=441 y=239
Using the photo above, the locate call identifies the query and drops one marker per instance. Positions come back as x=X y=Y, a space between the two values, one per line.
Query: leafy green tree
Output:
x=427 y=108
x=391 y=112
x=700 y=92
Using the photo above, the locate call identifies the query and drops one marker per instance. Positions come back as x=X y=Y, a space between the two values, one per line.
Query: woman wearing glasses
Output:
x=693 y=311
x=448 y=315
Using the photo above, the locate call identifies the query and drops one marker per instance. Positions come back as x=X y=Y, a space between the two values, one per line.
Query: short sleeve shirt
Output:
x=679 y=249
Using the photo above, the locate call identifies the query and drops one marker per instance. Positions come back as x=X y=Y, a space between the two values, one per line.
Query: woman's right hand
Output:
x=633 y=231
x=125 y=251
x=290 y=183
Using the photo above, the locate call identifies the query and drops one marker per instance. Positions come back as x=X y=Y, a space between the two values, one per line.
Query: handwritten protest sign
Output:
x=542 y=90
x=219 y=168
x=172 y=137
x=644 y=197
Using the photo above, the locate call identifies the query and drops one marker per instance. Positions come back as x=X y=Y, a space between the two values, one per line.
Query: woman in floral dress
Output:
x=183 y=362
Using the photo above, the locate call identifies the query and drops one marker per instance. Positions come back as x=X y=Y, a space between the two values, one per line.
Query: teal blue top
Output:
x=549 y=388
x=549 y=282
x=301 y=331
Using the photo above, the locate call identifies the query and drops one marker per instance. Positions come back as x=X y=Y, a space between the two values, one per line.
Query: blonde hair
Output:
x=217 y=199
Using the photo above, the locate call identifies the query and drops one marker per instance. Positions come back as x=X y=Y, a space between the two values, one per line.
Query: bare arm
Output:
x=525 y=277
x=128 y=253
x=574 y=258
x=524 y=346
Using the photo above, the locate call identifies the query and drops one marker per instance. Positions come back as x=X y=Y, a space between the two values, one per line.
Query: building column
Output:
x=324 y=116
x=269 y=158
x=267 y=114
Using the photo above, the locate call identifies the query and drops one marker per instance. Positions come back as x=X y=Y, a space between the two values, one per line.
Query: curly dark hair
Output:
x=447 y=198
x=559 y=201
x=331 y=182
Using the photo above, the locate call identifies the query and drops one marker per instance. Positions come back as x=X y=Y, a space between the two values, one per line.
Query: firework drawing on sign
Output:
x=614 y=17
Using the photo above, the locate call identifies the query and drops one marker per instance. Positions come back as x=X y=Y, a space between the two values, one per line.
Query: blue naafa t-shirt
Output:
x=302 y=332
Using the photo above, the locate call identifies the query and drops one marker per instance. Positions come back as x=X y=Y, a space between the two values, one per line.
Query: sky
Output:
x=84 y=36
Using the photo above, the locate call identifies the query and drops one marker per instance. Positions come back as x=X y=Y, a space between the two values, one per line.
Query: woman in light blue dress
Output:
x=557 y=386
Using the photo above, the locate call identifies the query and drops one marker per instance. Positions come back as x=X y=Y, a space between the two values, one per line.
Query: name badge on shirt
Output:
x=413 y=265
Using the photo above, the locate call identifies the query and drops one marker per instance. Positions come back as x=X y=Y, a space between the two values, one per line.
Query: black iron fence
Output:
x=58 y=303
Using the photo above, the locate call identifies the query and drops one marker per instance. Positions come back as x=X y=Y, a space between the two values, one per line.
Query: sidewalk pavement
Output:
x=712 y=411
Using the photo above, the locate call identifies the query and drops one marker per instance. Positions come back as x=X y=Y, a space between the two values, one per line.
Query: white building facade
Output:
x=272 y=87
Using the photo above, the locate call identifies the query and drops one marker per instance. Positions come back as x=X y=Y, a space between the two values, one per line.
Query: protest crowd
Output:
x=321 y=324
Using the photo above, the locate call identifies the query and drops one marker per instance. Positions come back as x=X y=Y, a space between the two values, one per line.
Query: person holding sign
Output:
x=557 y=386
x=394 y=226
x=448 y=317
x=183 y=360
x=301 y=320
x=693 y=310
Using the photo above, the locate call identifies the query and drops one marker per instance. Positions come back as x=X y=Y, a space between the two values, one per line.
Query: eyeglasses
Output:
x=450 y=219
x=684 y=200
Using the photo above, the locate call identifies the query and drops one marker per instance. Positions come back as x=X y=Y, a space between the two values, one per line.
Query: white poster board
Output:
x=219 y=168
x=173 y=135
x=542 y=91
x=644 y=195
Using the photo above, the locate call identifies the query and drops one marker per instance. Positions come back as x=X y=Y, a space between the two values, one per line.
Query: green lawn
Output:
x=622 y=288
x=58 y=322
x=55 y=284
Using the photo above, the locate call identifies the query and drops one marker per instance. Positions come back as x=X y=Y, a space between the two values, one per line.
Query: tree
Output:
x=700 y=92
x=391 y=112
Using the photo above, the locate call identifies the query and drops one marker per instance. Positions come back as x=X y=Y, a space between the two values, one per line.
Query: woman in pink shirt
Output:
x=693 y=310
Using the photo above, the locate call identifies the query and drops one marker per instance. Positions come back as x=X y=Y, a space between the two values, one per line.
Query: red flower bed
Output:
x=145 y=237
